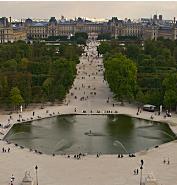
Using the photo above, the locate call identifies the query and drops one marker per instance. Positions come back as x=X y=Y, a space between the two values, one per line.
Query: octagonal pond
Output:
x=108 y=134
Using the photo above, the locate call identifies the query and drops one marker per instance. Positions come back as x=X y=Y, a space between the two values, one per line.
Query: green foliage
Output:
x=170 y=98
x=140 y=97
x=133 y=51
x=104 y=36
x=83 y=35
x=80 y=38
x=170 y=88
x=15 y=97
x=156 y=63
x=127 y=38
x=57 y=38
x=110 y=48
x=41 y=73
x=104 y=48
x=153 y=97
x=120 y=73
x=70 y=52
x=170 y=82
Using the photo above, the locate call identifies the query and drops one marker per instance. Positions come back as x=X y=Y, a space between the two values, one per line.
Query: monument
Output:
x=27 y=180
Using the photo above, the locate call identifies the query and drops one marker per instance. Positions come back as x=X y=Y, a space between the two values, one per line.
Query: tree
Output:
x=104 y=47
x=81 y=40
x=15 y=97
x=24 y=84
x=170 y=87
x=60 y=92
x=140 y=97
x=121 y=74
x=23 y=65
x=104 y=36
x=41 y=73
x=10 y=65
x=83 y=35
x=170 y=82
x=80 y=37
x=153 y=97
x=170 y=98
x=133 y=51
x=175 y=54
x=47 y=86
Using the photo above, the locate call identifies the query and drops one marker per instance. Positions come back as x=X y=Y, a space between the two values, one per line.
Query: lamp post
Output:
x=141 y=169
x=36 y=168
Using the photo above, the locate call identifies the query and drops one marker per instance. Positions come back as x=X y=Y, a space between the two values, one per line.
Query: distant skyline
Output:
x=89 y=9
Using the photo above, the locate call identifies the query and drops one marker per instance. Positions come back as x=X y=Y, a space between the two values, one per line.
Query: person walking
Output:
x=168 y=162
x=134 y=172
x=12 y=179
x=137 y=171
x=164 y=161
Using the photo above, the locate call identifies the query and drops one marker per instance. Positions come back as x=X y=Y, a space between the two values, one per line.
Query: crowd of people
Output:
x=4 y=150
x=84 y=89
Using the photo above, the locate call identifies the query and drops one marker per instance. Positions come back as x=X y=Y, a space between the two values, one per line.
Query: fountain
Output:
x=58 y=136
x=172 y=137
x=117 y=141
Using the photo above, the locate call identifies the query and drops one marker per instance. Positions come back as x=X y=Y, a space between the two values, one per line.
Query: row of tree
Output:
x=36 y=73
x=155 y=79
x=78 y=38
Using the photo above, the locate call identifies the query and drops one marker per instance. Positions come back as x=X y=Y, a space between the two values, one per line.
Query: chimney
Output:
x=155 y=17
x=174 y=20
x=5 y=21
x=160 y=17
x=10 y=18
x=21 y=23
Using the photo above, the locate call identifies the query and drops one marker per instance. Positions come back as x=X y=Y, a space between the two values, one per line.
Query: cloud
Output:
x=105 y=9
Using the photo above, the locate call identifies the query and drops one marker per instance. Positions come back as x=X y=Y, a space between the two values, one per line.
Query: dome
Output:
x=53 y=20
x=28 y=21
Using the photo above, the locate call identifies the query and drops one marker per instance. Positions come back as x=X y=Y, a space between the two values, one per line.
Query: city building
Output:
x=68 y=28
x=155 y=28
x=6 y=34
x=114 y=27
x=11 y=32
x=146 y=28
x=19 y=34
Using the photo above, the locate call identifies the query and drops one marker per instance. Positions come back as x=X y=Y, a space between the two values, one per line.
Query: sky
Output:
x=89 y=9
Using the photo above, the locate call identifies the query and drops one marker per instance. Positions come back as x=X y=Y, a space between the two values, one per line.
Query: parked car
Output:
x=150 y=108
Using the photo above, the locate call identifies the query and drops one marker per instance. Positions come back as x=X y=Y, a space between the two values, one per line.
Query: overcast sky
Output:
x=90 y=9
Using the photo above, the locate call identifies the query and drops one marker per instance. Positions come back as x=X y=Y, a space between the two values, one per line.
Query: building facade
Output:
x=10 y=32
x=157 y=27
x=68 y=28
x=144 y=29
x=6 y=34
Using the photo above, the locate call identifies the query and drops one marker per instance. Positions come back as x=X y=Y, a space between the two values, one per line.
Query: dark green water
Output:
x=109 y=134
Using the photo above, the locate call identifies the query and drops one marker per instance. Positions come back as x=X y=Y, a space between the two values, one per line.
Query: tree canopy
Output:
x=15 y=97
x=121 y=74
x=156 y=63
x=41 y=73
